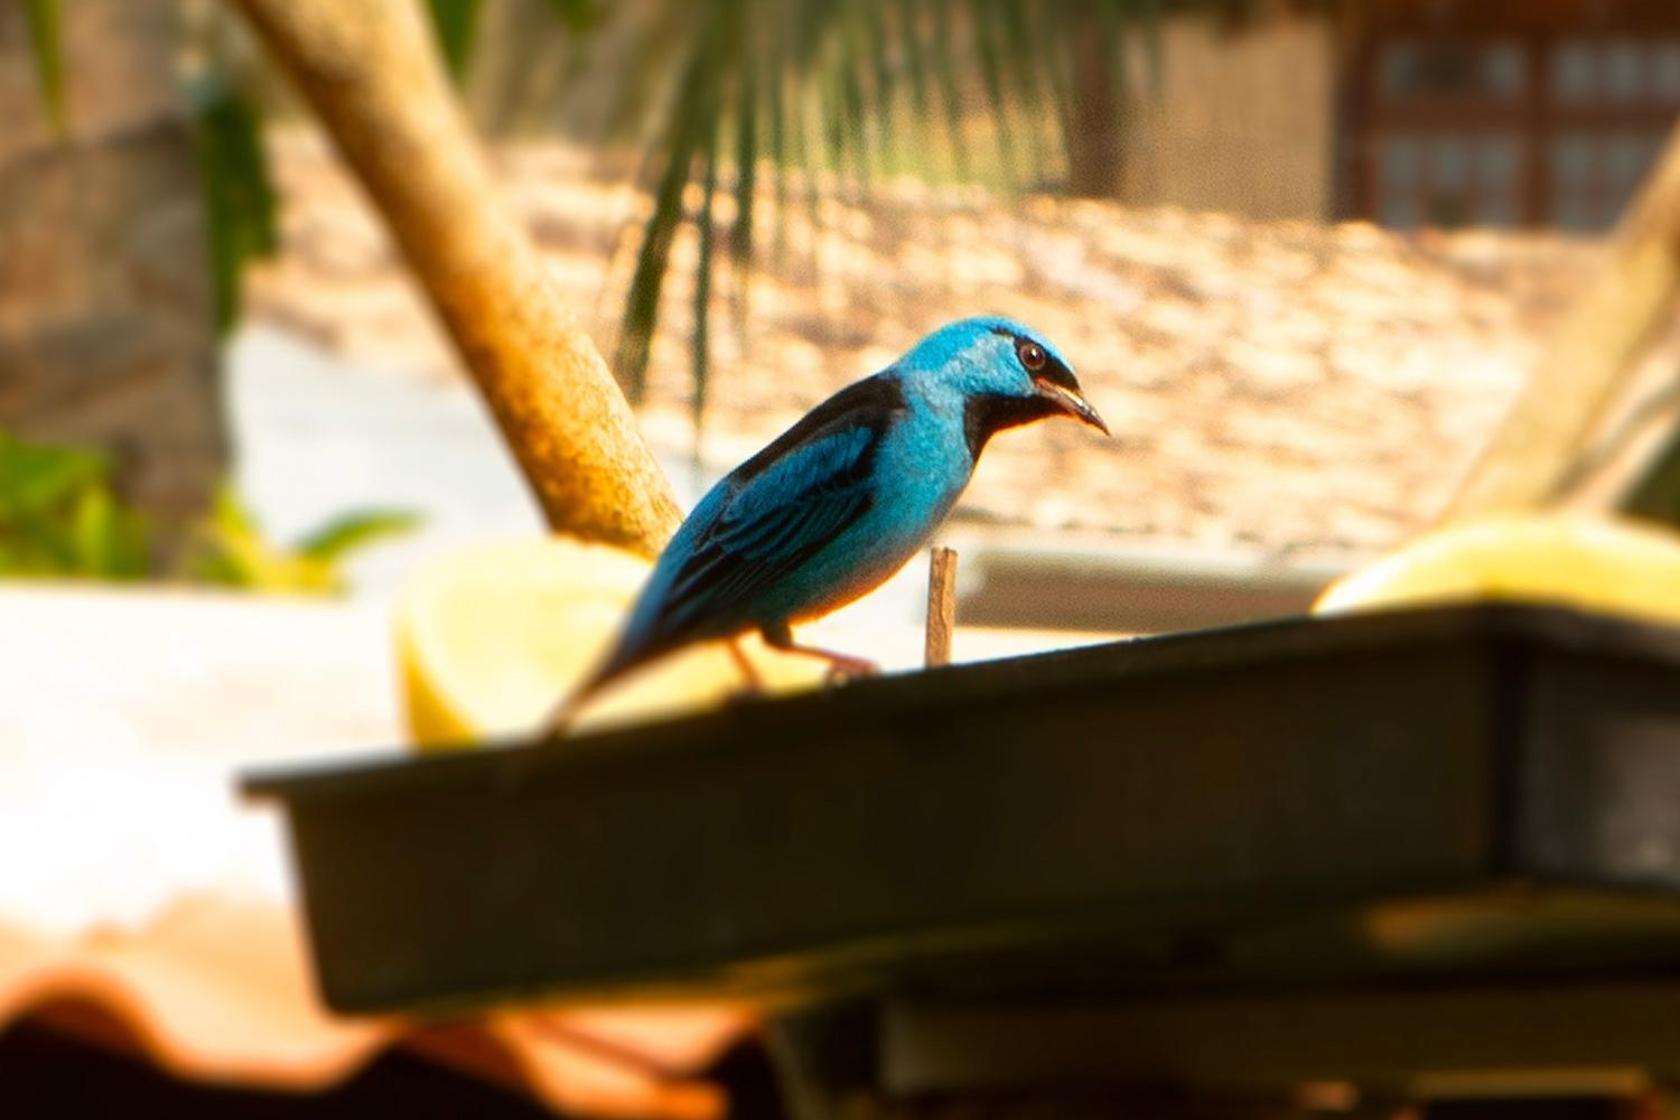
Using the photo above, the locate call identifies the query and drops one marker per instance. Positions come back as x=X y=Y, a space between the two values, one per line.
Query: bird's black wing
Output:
x=781 y=507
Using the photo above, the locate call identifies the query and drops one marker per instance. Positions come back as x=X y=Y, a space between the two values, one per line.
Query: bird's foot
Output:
x=844 y=667
x=558 y=723
x=752 y=681
x=841 y=666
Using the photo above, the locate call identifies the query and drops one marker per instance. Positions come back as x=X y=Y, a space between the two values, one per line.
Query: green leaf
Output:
x=872 y=36
x=832 y=107
x=703 y=297
x=230 y=549
x=684 y=133
x=818 y=86
x=238 y=189
x=1010 y=27
x=46 y=44
x=991 y=73
x=578 y=15
x=35 y=479
x=853 y=58
x=59 y=516
x=945 y=68
x=109 y=541
x=1150 y=18
x=455 y=26
x=351 y=532
x=746 y=168
x=813 y=187
x=1058 y=64
x=774 y=88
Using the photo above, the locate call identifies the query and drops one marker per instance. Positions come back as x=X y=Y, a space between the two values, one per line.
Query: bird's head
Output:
x=1003 y=373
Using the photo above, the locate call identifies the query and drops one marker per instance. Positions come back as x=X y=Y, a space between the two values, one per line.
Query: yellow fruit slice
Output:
x=1595 y=563
x=491 y=638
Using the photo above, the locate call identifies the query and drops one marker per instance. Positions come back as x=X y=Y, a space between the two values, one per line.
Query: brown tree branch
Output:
x=373 y=77
x=1590 y=356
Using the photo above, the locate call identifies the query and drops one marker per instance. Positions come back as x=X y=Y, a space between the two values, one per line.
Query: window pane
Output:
x=1574 y=70
x=1399 y=60
x=1665 y=71
x=1573 y=158
x=1630 y=155
x=1400 y=158
x=1452 y=162
x=1624 y=70
x=1503 y=71
x=1498 y=160
x=1497 y=208
x=1399 y=210
x=1572 y=212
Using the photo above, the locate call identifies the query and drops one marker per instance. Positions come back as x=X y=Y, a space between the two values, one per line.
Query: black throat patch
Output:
x=986 y=415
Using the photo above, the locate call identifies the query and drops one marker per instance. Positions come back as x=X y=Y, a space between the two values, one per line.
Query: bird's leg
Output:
x=752 y=679
x=841 y=666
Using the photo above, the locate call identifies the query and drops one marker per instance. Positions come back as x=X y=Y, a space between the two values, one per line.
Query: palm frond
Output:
x=989 y=56
x=455 y=26
x=746 y=164
x=683 y=139
x=576 y=15
x=703 y=298
x=946 y=70
x=908 y=30
x=240 y=202
x=818 y=87
x=874 y=44
x=45 y=44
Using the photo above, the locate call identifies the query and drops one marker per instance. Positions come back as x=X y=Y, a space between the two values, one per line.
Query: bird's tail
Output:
x=560 y=720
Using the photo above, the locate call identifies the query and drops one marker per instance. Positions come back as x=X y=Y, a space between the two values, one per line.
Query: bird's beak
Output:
x=1073 y=404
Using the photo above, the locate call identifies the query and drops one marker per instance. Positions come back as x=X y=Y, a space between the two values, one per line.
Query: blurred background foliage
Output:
x=61 y=516
x=229 y=549
x=830 y=96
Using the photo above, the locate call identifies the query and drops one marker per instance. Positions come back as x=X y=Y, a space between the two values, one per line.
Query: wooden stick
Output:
x=942 y=606
x=371 y=73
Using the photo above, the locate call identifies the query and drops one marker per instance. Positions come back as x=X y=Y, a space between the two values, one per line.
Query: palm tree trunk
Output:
x=373 y=77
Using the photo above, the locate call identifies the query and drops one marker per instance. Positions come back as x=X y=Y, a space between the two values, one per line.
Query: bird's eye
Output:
x=1032 y=356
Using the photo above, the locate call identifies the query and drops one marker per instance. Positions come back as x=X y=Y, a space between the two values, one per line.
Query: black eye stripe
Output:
x=1052 y=370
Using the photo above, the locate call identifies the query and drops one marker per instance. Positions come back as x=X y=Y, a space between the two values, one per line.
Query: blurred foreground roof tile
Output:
x=146 y=912
x=217 y=991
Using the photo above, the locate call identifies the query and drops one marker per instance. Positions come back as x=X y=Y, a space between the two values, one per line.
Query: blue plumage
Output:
x=845 y=497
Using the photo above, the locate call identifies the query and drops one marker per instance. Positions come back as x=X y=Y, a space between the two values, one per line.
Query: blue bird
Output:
x=843 y=499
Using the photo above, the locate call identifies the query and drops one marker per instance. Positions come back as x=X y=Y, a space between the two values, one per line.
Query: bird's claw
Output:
x=846 y=670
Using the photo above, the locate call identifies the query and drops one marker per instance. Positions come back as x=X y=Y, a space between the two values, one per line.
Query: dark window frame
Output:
x=1368 y=116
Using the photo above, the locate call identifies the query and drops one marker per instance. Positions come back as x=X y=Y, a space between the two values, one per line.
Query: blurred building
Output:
x=1411 y=113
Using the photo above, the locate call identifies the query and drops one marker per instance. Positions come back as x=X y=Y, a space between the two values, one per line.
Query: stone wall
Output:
x=106 y=330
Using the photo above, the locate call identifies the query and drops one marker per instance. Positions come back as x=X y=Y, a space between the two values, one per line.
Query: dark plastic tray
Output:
x=1414 y=792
